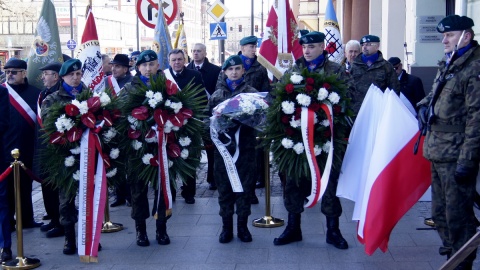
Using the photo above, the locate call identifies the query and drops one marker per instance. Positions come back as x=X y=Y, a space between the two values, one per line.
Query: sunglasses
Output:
x=13 y=72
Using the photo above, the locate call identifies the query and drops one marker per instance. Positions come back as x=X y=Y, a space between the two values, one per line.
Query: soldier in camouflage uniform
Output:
x=233 y=85
x=257 y=77
x=316 y=60
x=71 y=74
x=370 y=67
x=453 y=139
x=147 y=65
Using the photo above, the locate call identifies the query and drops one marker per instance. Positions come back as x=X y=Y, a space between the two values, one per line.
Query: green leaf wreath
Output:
x=283 y=131
x=64 y=126
x=184 y=113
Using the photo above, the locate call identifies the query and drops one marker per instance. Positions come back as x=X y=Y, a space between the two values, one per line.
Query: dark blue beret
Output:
x=55 y=66
x=69 y=66
x=233 y=60
x=454 y=23
x=15 y=63
x=394 y=60
x=369 y=38
x=312 y=37
x=146 y=56
x=248 y=40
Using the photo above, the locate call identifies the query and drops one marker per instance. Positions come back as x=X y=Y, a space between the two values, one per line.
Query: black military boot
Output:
x=70 y=246
x=227 y=232
x=242 y=230
x=334 y=236
x=292 y=232
x=162 y=236
x=142 y=238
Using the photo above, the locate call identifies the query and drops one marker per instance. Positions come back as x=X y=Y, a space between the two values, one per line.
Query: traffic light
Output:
x=256 y=27
x=239 y=28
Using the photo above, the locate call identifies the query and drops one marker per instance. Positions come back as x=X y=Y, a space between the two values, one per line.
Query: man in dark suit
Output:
x=182 y=77
x=410 y=86
x=209 y=73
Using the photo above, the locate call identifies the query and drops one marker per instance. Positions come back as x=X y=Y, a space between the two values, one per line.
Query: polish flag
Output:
x=395 y=179
x=280 y=47
x=90 y=55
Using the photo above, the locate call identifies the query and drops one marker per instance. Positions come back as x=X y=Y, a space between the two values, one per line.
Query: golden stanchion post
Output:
x=20 y=262
x=108 y=226
x=267 y=221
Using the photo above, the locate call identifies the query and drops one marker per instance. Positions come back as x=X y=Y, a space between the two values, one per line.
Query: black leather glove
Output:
x=465 y=174
x=422 y=117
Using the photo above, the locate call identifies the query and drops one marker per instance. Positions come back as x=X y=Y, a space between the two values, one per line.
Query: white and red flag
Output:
x=333 y=40
x=390 y=179
x=280 y=48
x=90 y=55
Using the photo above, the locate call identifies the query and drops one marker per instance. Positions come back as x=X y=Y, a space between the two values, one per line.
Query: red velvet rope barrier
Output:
x=30 y=173
x=6 y=173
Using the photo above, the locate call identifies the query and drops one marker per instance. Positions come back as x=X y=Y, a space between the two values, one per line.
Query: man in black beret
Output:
x=182 y=76
x=370 y=67
x=21 y=134
x=51 y=81
x=410 y=86
x=315 y=59
x=210 y=74
x=147 y=66
x=452 y=142
x=116 y=81
x=70 y=85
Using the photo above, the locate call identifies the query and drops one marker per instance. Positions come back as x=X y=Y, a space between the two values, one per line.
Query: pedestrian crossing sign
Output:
x=218 y=31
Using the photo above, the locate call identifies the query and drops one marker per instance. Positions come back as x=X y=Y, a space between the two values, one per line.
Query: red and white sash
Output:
x=319 y=182
x=92 y=196
x=22 y=107
x=163 y=176
x=169 y=76
x=113 y=84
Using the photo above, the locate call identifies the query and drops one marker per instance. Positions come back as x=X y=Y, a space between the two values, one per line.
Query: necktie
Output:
x=197 y=67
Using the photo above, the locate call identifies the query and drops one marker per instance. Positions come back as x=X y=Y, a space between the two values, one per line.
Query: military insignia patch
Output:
x=75 y=67
x=440 y=27
x=232 y=62
x=364 y=39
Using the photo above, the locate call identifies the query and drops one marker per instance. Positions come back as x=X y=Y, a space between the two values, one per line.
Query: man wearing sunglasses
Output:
x=411 y=86
x=21 y=134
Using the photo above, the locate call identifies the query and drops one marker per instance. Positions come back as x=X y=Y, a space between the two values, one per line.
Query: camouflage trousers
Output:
x=295 y=195
x=68 y=212
x=227 y=199
x=452 y=208
x=140 y=206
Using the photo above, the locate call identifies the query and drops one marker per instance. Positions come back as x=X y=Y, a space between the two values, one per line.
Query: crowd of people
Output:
x=449 y=112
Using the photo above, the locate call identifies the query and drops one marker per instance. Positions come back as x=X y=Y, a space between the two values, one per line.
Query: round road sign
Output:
x=71 y=44
x=147 y=11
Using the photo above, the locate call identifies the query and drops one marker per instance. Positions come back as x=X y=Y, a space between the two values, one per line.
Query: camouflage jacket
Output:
x=256 y=76
x=223 y=93
x=455 y=134
x=380 y=73
x=58 y=96
x=328 y=68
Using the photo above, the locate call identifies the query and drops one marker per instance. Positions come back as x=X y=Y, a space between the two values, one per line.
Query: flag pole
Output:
x=267 y=221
